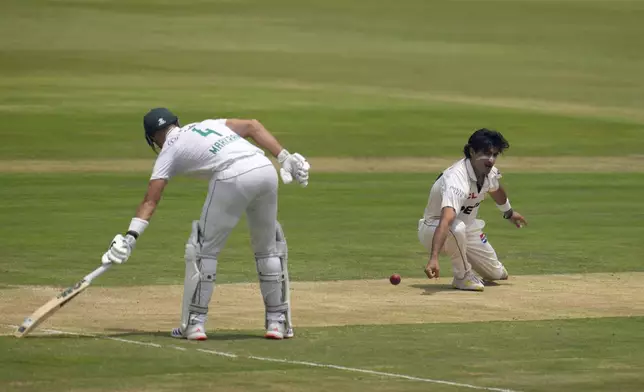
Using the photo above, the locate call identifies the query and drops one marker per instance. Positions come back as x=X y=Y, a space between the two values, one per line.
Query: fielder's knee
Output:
x=494 y=274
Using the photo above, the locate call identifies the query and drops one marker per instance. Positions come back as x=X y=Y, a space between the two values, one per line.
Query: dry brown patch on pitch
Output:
x=239 y=306
x=632 y=164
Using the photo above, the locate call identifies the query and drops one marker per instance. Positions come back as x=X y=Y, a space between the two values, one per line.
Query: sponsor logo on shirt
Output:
x=457 y=192
x=468 y=210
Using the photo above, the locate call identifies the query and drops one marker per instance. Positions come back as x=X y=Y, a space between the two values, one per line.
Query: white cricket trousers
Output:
x=466 y=246
x=253 y=192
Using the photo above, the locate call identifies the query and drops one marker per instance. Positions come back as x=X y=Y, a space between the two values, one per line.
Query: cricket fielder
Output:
x=242 y=179
x=449 y=223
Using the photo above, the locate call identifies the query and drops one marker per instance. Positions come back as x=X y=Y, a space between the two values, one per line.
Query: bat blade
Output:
x=44 y=312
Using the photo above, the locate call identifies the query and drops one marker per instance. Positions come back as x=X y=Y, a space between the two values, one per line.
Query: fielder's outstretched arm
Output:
x=503 y=204
x=448 y=214
x=499 y=196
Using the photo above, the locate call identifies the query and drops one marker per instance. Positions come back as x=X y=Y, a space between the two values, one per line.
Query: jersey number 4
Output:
x=206 y=132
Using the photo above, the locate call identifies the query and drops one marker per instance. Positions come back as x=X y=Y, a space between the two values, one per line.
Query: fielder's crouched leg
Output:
x=456 y=248
x=274 y=285
x=482 y=255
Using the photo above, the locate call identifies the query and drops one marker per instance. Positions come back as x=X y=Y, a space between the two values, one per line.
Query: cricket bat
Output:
x=44 y=312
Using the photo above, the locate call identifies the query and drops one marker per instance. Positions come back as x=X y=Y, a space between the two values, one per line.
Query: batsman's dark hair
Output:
x=485 y=140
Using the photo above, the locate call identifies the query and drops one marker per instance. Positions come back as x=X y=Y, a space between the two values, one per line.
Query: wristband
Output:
x=508 y=214
x=137 y=227
x=504 y=207
x=282 y=155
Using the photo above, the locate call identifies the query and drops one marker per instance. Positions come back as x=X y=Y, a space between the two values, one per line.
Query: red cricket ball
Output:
x=394 y=279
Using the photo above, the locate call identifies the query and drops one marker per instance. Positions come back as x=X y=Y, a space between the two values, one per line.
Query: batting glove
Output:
x=120 y=249
x=294 y=166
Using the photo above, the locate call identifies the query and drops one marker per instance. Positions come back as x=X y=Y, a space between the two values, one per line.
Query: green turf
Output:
x=343 y=226
x=567 y=50
x=427 y=132
x=330 y=78
x=588 y=355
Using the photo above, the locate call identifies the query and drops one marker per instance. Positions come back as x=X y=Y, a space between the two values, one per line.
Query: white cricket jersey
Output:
x=206 y=149
x=456 y=187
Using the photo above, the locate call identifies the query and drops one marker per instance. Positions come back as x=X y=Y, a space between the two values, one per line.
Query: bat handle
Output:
x=97 y=272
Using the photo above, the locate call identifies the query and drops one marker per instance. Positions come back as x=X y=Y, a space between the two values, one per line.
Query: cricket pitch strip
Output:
x=105 y=310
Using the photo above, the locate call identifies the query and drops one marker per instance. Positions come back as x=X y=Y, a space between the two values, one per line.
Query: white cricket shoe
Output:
x=193 y=332
x=278 y=331
x=505 y=275
x=469 y=282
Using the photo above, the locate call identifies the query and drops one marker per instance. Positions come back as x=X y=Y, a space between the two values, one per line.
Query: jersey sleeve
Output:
x=162 y=167
x=493 y=178
x=215 y=122
x=453 y=192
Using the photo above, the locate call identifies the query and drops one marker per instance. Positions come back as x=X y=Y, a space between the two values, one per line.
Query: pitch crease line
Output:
x=290 y=362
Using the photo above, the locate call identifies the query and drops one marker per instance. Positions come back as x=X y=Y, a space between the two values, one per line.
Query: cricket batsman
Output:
x=449 y=223
x=241 y=180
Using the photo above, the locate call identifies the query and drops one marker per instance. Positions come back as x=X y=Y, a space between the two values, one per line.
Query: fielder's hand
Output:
x=294 y=166
x=432 y=270
x=518 y=220
x=119 y=250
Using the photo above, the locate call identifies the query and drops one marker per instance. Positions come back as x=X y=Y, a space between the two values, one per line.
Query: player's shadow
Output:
x=212 y=335
x=433 y=288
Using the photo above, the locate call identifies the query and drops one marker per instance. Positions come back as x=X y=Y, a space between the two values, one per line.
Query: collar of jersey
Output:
x=171 y=136
x=470 y=170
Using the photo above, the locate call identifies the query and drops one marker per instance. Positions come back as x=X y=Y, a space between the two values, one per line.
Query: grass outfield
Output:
x=332 y=79
x=330 y=243
x=343 y=226
x=588 y=355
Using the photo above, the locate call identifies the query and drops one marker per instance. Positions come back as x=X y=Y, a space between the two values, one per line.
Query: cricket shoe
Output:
x=505 y=275
x=278 y=331
x=193 y=332
x=469 y=282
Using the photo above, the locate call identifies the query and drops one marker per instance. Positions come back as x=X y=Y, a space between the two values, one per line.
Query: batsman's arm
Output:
x=151 y=200
x=122 y=246
x=255 y=130
x=147 y=207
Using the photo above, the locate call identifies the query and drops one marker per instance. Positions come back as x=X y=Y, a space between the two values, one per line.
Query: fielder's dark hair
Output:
x=485 y=140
